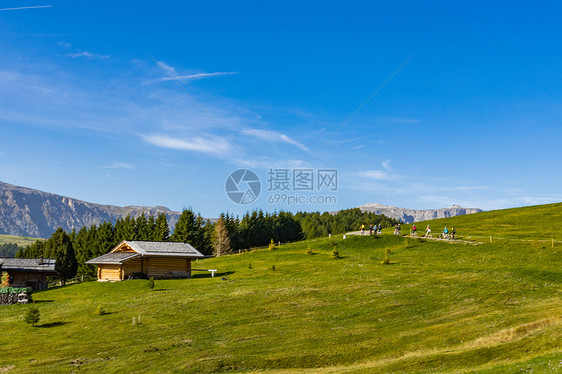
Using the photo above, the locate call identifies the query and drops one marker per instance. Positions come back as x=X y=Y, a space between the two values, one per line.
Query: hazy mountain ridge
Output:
x=413 y=215
x=28 y=212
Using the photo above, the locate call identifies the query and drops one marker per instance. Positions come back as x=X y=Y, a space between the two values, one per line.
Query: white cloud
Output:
x=119 y=165
x=268 y=162
x=198 y=76
x=27 y=7
x=87 y=54
x=274 y=136
x=213 y=145
x=386 y=164
x=167 y=68
x=380 y=175
x=173 y=75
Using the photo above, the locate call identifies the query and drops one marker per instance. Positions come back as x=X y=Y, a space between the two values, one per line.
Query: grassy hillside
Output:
x=19 y=240
x=438 y=307
x=541 y=222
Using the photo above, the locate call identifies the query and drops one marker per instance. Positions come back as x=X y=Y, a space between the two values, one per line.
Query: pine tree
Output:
x=60 y=247
x=32 y=315
x=142 y=228
x=161 y=231
x=222 y=241
x=186 y=228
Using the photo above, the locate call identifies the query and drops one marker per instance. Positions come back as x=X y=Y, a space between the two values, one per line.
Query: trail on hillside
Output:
x=451 y=241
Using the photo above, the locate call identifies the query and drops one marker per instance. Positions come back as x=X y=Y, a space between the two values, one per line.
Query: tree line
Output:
x=227 y=234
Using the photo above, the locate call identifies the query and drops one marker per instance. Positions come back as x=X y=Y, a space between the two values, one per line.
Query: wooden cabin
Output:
x=27 y=272
x=153 y=259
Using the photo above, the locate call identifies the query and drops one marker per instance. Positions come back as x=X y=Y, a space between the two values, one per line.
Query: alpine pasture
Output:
x=471 y=306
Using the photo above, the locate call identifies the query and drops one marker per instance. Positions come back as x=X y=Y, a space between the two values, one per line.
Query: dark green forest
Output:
x=254 y=229
x=8 y=250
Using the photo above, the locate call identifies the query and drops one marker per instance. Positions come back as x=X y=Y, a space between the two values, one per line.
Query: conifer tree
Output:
x=161 y=231
x=60 y=247
x=186 y=228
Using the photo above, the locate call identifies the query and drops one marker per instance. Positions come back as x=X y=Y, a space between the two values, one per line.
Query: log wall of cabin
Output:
x=110 y=272
x=162 y=267
x=132 y=266
x=27 y=279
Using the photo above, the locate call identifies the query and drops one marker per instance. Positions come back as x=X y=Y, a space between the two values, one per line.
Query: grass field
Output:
x=19 y=240
x=439 y=307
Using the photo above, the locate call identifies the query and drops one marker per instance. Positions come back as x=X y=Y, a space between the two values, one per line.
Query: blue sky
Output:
x=416 y=105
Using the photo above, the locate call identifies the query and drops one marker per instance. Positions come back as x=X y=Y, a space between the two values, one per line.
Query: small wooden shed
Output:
x=153 y=259
x=27 y=272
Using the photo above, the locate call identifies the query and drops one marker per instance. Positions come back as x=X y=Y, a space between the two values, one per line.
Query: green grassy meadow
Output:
x=19 y=240
x=438 y=307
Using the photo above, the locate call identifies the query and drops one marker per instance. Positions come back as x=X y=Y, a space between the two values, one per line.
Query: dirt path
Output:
x=457 y=241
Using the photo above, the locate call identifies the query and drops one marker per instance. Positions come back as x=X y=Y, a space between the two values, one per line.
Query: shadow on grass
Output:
x=160 y=289
x=217 y=274
x=52 y=324
x=43 y=301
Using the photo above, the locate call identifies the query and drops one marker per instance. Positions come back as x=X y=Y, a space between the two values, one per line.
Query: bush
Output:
x=151 y=283
x=32 y=315
x=250 y=265
x=273 y=268
x=386 y=260
x=335 y=254
x=271 y=245
x=309 y=251
x=100 y=311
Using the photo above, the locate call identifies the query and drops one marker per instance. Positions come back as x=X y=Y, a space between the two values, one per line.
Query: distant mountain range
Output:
x=34 y=213
x=412 y=215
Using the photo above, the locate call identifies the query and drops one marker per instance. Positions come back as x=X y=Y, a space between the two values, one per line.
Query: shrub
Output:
x=386 y=260
x=309 y=251
x=32 y=315
x=271 y=245
x=335 y=254
x=151 y=283
x=250 y=265
x=100 y=311
x=273 y=268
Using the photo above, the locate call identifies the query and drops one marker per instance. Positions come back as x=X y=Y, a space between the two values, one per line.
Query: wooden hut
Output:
x=153 y=259
x=27 y=272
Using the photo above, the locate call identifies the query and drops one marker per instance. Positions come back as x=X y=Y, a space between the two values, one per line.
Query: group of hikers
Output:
x=445 y=234
x=377 y=229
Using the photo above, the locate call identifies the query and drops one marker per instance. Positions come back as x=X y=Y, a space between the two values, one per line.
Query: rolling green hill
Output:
x=19 y=240
x=439 y=307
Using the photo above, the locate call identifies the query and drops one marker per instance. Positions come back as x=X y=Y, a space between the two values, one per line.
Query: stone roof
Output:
x=147 y=249
x=28 y=264
x=166 y=249
x=113 y=258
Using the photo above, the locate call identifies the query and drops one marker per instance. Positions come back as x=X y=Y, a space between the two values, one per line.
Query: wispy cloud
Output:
x=198 y=76
x=213 y=145
x=118 y=165
x=27 y=7
x=167 y=68
x=380 y=175
x=87 y=54
x=274 y=137
x=386 y=165
x=173 y=75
